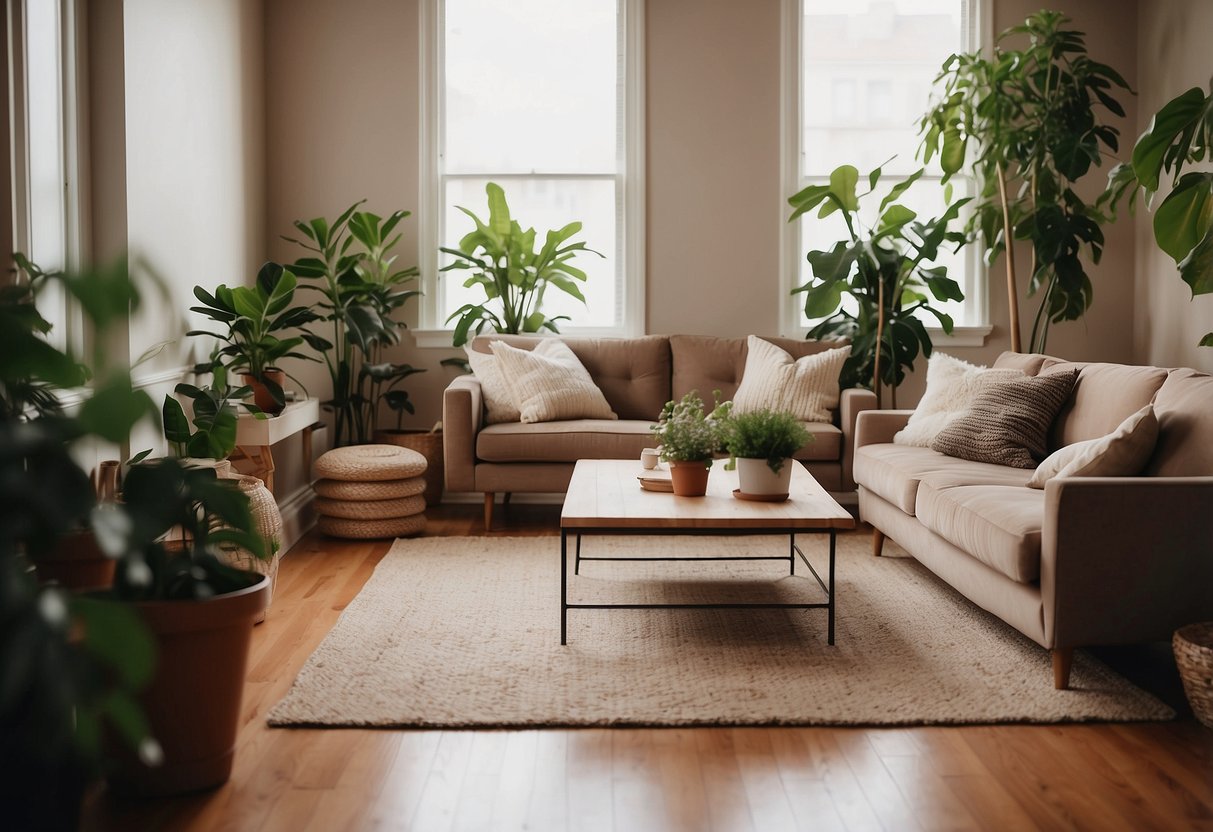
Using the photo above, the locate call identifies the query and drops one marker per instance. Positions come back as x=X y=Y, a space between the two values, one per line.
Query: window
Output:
x=554 y=118
x=884 y=54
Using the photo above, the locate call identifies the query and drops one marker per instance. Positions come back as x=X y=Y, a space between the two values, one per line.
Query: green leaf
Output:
x=952 y=154
x=114 y=409
x=894 y=218
x=499 y=211
x=1185 y=216
x=176 y=426
x=822 y=300
x=834 y=264
x=1197 y=268
x=843 y=181
x=1176 y=116
x=1207 y=341
x=901 y=187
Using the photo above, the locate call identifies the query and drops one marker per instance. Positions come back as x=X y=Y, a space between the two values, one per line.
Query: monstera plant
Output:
x=883 y=267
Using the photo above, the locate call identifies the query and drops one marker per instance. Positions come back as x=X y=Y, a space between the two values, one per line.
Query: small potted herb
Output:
x=760 y=444
x=689 y=439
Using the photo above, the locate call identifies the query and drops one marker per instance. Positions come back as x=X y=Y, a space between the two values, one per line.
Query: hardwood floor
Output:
x=1131 y=777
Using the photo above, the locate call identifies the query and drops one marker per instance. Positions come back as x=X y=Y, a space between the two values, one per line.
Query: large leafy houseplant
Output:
x=362 y=291
x=1028 y=124
x=514 y=276
x=1180 y=134
x=884 y=266
x=209 y=432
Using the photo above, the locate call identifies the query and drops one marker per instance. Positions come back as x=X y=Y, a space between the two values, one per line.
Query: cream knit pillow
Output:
x=498 y=398
x=549 y=383
x=1122 y=453
x=806 y=387
x=952 y=385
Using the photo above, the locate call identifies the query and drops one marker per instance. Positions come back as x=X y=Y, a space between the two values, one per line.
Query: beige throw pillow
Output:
x=1122 y=453
x=499 y=403
x=806 y=387
x=549 y=383
x=952 y=385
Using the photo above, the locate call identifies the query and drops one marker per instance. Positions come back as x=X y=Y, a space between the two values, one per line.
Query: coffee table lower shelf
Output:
x=794 y=551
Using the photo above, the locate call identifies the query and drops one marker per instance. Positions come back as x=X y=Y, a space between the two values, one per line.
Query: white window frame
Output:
x=791 y=253
x=432 y=329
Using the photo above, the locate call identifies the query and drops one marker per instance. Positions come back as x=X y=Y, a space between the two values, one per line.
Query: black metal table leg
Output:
x=792 y=554
x=577 y=563
x=564 y=590
x=831 y=610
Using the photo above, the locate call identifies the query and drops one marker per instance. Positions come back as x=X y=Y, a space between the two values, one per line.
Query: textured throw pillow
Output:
x=952 y=385
x=806 y=387
x=1122 y=453
x=549 y=383
x=1009 y=421
x=498 y=398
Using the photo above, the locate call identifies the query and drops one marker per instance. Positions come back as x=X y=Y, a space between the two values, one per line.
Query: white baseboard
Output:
x=298 y=516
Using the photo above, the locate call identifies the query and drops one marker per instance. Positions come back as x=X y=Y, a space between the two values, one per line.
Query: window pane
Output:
x=884 y=53
x=531 y=86
x=545 y=204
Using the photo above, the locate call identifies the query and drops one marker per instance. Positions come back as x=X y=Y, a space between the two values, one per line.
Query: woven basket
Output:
x=429 y=445
x=267 y=523
x=1193 y=647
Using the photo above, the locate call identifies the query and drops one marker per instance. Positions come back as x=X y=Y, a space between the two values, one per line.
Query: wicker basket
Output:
x=1193 y=647
x=429 y=445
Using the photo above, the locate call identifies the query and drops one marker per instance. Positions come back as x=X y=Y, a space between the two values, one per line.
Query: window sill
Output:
x=441 y=338
x=962 y=336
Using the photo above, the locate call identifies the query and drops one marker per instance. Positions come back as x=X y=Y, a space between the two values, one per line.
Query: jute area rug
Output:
x=460 y=632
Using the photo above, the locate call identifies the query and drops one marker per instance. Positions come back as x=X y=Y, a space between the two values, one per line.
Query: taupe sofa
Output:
x=1086 y=561
x=637 y=376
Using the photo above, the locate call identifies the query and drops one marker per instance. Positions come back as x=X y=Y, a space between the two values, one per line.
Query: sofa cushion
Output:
x=1184 y=406
x=705 y=363
x=549 y=383
x=952 y=385
x=1000 y=525
x=1104 y=396
x=806 y=387
x=566 y=441
x=1009 y=421
x=826 y=444
x=499 y=403
x=893 y=472
x=1122 y=453
x=1028 y=363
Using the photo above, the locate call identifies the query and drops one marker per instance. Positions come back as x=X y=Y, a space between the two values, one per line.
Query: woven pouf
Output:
x=370 y=491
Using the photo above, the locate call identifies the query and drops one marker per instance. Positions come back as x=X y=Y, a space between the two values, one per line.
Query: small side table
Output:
x=254 y=437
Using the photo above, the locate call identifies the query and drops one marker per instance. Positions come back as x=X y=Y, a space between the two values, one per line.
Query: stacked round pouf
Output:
x=370 y=491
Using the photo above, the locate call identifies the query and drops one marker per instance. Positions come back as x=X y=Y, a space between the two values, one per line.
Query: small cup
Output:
x=648 y=458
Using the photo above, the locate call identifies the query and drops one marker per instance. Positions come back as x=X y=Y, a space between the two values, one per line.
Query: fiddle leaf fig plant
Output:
x=514 y=276
x=1028 y=124
x=1180 y=134
x=884 y=270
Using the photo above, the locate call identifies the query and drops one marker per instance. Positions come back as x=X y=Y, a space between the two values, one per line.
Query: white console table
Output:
x=254 y=437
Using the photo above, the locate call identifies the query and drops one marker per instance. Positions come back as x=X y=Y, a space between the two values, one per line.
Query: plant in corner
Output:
x=689 y=438
x=1026 y=123
x=760 y=445
x=886 y=271
x=514 y=277
x=1181 y=133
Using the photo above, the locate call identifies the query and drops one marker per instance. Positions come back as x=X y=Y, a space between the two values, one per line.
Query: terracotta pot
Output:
x=76 y=563
x=429 y=445
x=193 y=701
x=690 y=479
x=755 y=477
x=261 y=393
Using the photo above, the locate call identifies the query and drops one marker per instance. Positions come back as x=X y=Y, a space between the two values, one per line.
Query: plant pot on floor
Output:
x=690 y=479
x=1193 y=646
x=755 y=477
x=261 y=394
x=429 y=445
x=193 y=701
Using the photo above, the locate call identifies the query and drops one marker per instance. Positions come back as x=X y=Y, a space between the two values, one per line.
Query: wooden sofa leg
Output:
x=505 y=499
x=877 y=542
x=1062 y=660
x=488 y=510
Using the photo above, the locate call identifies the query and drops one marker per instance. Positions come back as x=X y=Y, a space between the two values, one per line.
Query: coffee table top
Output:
x=605 y=494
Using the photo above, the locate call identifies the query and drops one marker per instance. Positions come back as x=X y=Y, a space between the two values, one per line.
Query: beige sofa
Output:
x=637 y=376
x=1086 y=561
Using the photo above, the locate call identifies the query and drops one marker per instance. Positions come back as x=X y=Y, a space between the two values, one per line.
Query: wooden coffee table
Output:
x=605 y=498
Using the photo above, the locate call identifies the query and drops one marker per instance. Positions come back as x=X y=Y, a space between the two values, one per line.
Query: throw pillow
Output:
x=952 y=385
x=1009 y=421
x=806 y=387
x=499 y=403
x=549 y=383
x=1122 y=453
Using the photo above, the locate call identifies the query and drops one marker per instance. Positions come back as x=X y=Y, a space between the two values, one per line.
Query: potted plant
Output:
x=255 y=317
x=887 y=271
x=362 y=291
x=689 y=439
x=1027 y=123
x=210 y=430
x=514 y=276
x=761 y=444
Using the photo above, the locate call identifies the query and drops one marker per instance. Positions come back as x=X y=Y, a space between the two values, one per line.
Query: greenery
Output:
x=514 y=277
x=214 y=419
x=687 y=434
x=1026 y=123
x=765 y=434
x=361 y=290
x=256 y=317
x=886 y=271
x=1180 y=133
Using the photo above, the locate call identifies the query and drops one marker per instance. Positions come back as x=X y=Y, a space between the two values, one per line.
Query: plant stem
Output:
x=1009 y=255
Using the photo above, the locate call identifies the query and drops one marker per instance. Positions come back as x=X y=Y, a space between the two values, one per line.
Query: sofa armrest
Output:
x=876 y=427
x=854 y=401
x=1125 y=559
x=461 y=421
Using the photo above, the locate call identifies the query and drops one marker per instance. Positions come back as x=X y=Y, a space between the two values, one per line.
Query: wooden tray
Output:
x=760 y=498
x=664 y=484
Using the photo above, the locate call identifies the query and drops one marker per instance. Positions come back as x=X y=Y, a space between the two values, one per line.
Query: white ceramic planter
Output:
x=755 y=477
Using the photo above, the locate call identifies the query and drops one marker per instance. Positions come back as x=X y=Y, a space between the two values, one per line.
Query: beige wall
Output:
x=1173 y=45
